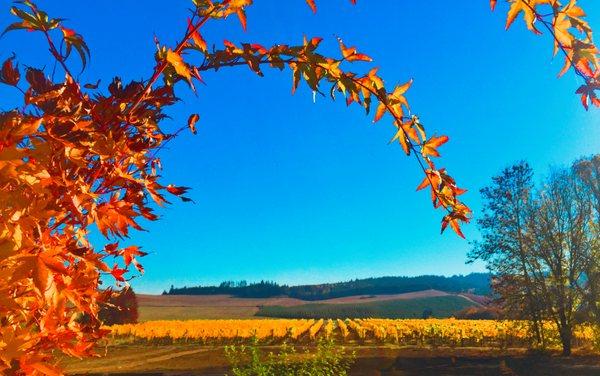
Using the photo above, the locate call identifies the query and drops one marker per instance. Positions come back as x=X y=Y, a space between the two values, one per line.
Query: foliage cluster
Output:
x=542 y=245
x=328 y=359
x=407 y=332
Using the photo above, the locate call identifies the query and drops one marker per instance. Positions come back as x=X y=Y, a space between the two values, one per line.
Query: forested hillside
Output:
x=476 y=283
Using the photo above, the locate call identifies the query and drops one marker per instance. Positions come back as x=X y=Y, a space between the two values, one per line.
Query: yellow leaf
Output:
x=177 y=62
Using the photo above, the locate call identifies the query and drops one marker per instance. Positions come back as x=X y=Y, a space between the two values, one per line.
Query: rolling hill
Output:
x=181 y=307
x=436 y=306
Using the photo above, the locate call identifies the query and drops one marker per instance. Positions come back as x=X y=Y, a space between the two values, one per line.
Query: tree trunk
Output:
x=566 y=337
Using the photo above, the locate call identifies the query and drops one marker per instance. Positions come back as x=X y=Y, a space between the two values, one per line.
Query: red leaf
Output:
x=177 y=191
x=10 y=74
x=129 y=254
x=192 y=122
x=117 y=273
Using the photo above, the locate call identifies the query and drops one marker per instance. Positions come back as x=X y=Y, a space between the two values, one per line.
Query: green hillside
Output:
x=438 y=307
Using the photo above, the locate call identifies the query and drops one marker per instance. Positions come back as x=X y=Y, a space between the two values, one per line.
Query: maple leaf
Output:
x=431 y=145
x=561 y=32
x=588 y=94
x=180 y=66
x=350 y=53
x=453 y=221
x=129 y=254
x=117 y=273
x=528 y=9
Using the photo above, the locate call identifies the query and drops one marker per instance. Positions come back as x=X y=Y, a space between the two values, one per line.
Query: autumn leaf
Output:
x=118 y=273
x=199 y=42
x=192 y=122
x=180 y=66
x=242 y=17
x=10 y=73
x=431 y=145
x=454 y=224
x=129 y=254
x=381 y=109
x=527 y=7
x=350 y=53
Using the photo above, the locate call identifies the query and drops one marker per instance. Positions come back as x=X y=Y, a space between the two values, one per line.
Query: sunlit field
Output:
x=381 y=346
x=417 y=332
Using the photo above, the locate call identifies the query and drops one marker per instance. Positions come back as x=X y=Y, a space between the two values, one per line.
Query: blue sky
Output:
x=300 y=192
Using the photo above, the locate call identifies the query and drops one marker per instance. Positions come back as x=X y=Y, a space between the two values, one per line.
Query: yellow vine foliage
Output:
x=75 y=156
x=417 y=332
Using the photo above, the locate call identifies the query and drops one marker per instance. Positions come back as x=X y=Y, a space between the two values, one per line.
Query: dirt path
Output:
x=119 y=364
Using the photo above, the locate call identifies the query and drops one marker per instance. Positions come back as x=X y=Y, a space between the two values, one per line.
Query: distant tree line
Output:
x=542 y=244
x=476 y=283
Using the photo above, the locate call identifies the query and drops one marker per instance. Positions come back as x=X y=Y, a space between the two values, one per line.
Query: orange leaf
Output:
x=453 y=222
x=430 y=147
x=425 y=183
x=192 y=122
x=196 y=37
x=117 y=273
x=242 y=16
x=177 y=62
x=381 y=109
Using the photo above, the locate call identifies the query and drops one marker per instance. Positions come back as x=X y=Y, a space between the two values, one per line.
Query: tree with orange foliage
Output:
x=74 y=157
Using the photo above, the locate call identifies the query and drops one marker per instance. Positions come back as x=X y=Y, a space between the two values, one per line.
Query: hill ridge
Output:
x=474 y=283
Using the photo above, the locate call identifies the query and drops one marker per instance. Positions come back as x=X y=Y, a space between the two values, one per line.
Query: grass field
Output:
x=187 y=307
x=439 y=306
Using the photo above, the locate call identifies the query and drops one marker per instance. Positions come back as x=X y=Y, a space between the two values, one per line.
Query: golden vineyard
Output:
x=407 y=332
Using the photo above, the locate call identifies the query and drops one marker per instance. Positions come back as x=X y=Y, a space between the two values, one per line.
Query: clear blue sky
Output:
x=299 y=192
